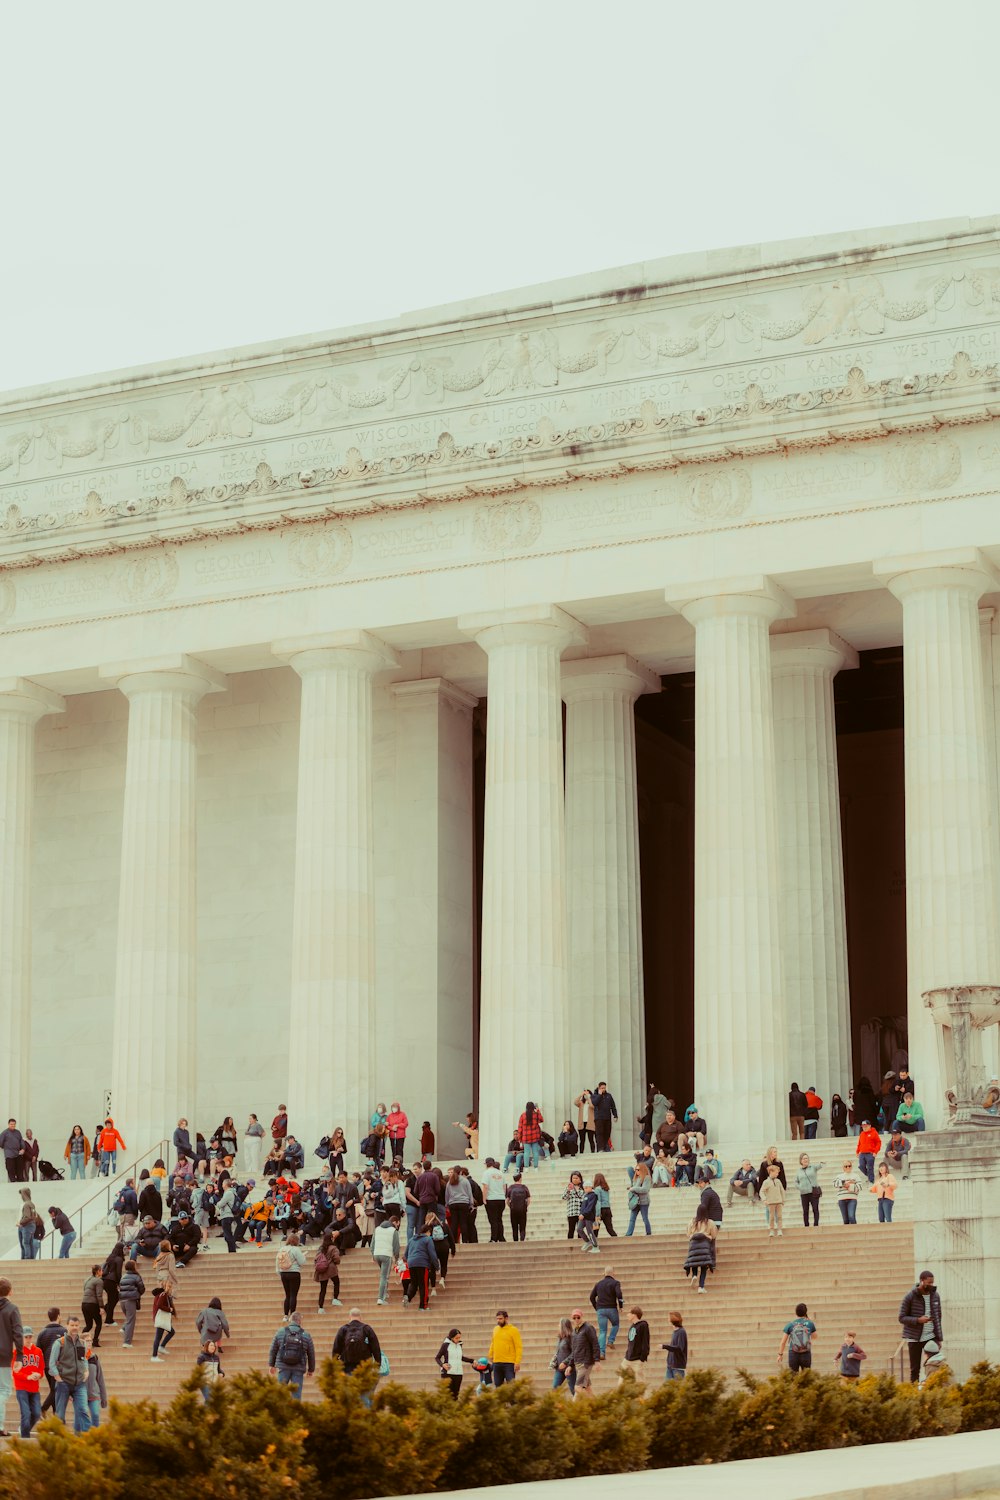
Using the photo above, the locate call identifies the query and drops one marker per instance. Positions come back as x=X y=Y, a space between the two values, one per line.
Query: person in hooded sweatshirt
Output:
x=212 y=1323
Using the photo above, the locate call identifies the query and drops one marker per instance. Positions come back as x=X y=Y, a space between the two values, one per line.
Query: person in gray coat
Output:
x=130 y=1289
x=292 y=1356
x=212 y=1323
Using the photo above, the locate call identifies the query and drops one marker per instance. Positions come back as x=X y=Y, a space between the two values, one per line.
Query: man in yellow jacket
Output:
x=505 y=1350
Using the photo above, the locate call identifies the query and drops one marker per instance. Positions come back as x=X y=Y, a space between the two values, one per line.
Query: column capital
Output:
x=420 y=689
x=748 y=594
x=528 y=625
x=355 y=650
x=589 y=676
x=956 y=568
x=811 y=650
x=158 y=674
x=23 y=699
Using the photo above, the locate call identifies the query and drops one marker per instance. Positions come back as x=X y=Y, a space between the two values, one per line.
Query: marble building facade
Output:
x=256 y=608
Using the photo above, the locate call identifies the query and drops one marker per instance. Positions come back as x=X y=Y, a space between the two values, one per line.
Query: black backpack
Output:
x=293 y=1348
x=477 y=1192
x=355 y=1345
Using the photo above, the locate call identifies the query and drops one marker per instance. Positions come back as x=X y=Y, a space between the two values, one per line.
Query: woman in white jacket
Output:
x=450 y=1360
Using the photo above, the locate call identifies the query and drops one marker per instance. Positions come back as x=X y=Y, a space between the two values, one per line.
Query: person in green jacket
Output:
x=909 y=1116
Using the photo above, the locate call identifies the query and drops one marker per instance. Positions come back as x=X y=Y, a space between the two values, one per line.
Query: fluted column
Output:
x=606 y=1037
x=811 y=858
x=331 y=1021
x=153 y=1069
x=741 y=1069
x=22 y=704
x=951 y=874
x=523 y=1031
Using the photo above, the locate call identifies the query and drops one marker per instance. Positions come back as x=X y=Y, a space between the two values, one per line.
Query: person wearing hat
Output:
x=28 y=1372
x=920 y=1317
x=185 y=1237
x=868 y=1147
x=585 y=1353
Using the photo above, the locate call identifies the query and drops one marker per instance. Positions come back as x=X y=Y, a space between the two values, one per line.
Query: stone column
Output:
x=741 y=1063
x=433 y=919
x=606 y=1037
x=523 y=1035
x=153 y=1070
x=332 y=1075
x=22 y=704
x=811 y=859
x=951 y=875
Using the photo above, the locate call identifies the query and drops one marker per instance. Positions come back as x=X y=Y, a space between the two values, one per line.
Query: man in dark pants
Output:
x=797 y=1337
x=12 y=1142
x=605 y=1110
x=53 y=1330
x=920 y=1317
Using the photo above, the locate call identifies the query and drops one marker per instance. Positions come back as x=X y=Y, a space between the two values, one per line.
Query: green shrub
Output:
x=980 y=1398
x=690 y=1421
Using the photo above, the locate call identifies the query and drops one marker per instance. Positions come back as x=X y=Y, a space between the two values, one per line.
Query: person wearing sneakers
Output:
x=700 y=1257
x=292 y=1356
x=677 y=1349
x=868 y=1147
x=163 y=1322
x=585 y=1353
x=68 y=1364
x=288 y=1263
x=807 y=1182
x=326 y=1270
x=607 y=1301
x=772 y=1195
x=847 y=1185
x=506 y=1349
x=385 y=1254
x=797 y=1337
x=29 y=1368
x=130 y=1289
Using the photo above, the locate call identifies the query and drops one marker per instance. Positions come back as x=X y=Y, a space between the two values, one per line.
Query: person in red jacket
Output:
x=529 y=1133
x=813 y=1106
x=28 y=1371
x=869 y=1146
x=108 y=1142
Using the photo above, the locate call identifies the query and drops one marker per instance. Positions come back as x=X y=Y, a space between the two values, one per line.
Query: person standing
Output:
x=772 y=1195
x=585 y=1120
x=494 y=1199
x=638 y=1199
x=884 y=1188
x=253 y=1138
x=868 y=1147
x=562 y=1360
x=130 y=1290
x=677 y=1349
x=68 y=1364
x=807 y=1182
x=848 y=1188
x=279 y=1129
x=797 y=1337
x=573 y=1197
x=529 y=1133
x=838 y=1117
x=77 y=1153
x=28 y=1370
x=109 y=1142
x=11 y=1343
x=605 y=1111
x=385 y=1254
x=506 y=1349
x=518 y=1198
x=421 y=1260
x=46 y=1338
x=26 y=1225
x=848 y=1358
x=586 y=1351
x=292 y=1356
x=797 y=1107
x=398 y=1126
x=458 y=1198
x=356 y=1341
x=919 y=1315
x=12 y=1142
x=637 y=1345
x=29 y=1156
x=97 y=1391
x=606 y=1299
x=450 y=1359
x=289 y=1263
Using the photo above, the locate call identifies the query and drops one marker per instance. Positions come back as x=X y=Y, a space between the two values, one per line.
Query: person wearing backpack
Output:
x=288 y=1263
x=212 y=1323
x=326 y=1269
x=130 y=1289
x=797 y=1337
x=356 y=1341
x=292 y=1355
x=385 y=1254
x=518 y=1198
x=68 y=1366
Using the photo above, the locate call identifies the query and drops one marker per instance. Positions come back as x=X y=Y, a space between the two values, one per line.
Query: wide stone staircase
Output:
x=850 y=1277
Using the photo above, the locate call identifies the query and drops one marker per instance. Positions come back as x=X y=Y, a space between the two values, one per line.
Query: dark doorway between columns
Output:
x=869 y=710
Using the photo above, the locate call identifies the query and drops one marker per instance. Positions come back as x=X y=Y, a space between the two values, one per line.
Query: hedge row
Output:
x=252 y=1441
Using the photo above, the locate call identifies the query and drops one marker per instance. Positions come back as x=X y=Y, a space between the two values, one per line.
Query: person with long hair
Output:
x=450 y=1359
x=638 y=1199
x=603 y=1191
x=700 y=1257
x=884 y=1188
x=573 y=1197
x=77 y=1153
x=458 y=1197
x=838 y=1116
x=563 y=1369
x=471 y=1132
x=529 y=1133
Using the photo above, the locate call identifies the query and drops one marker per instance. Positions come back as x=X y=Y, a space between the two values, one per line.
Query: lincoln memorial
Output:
x=593 y=681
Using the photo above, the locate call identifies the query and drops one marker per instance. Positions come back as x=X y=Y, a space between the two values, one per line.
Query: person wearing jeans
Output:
x=638 y=1199
x=68 y=1366
x=385 y=1253
x=869 y=1146
x=62 y=1226
x=294 y=1374
x=606 y=1299
x=884 y=1188
x=848 y=1187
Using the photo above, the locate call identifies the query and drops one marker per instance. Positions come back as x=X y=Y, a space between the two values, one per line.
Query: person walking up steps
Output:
x=53 y=1330
x=385 y=1253
x=130 y=1290
x=677 y=1349
x=494 y=1198
x=292 y=1356
x=797 y=1336
x=28 y=1371
x=637 y=1347
x=289 y=1263
x=356 y=1341
x=607 y=1301
x=518 y=1198
x=700 y=1257
x=163 y=1322
x=587 y=1223
x=586 y=1352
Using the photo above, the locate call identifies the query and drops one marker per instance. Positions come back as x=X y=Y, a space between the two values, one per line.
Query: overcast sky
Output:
x=208 y=174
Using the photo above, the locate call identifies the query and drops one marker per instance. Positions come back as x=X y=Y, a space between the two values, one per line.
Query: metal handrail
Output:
x=159 y=1151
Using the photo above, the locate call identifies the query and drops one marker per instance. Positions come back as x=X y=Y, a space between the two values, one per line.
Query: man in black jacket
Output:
x=147 y=1241
x=711 y=1200
x=585 y=1352
x=355 y=1342
x=46 y=1338
x=606 y=1300
x=185 y=1237
x=920 y=1316
x=605 y=1110
x=11 y=1339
